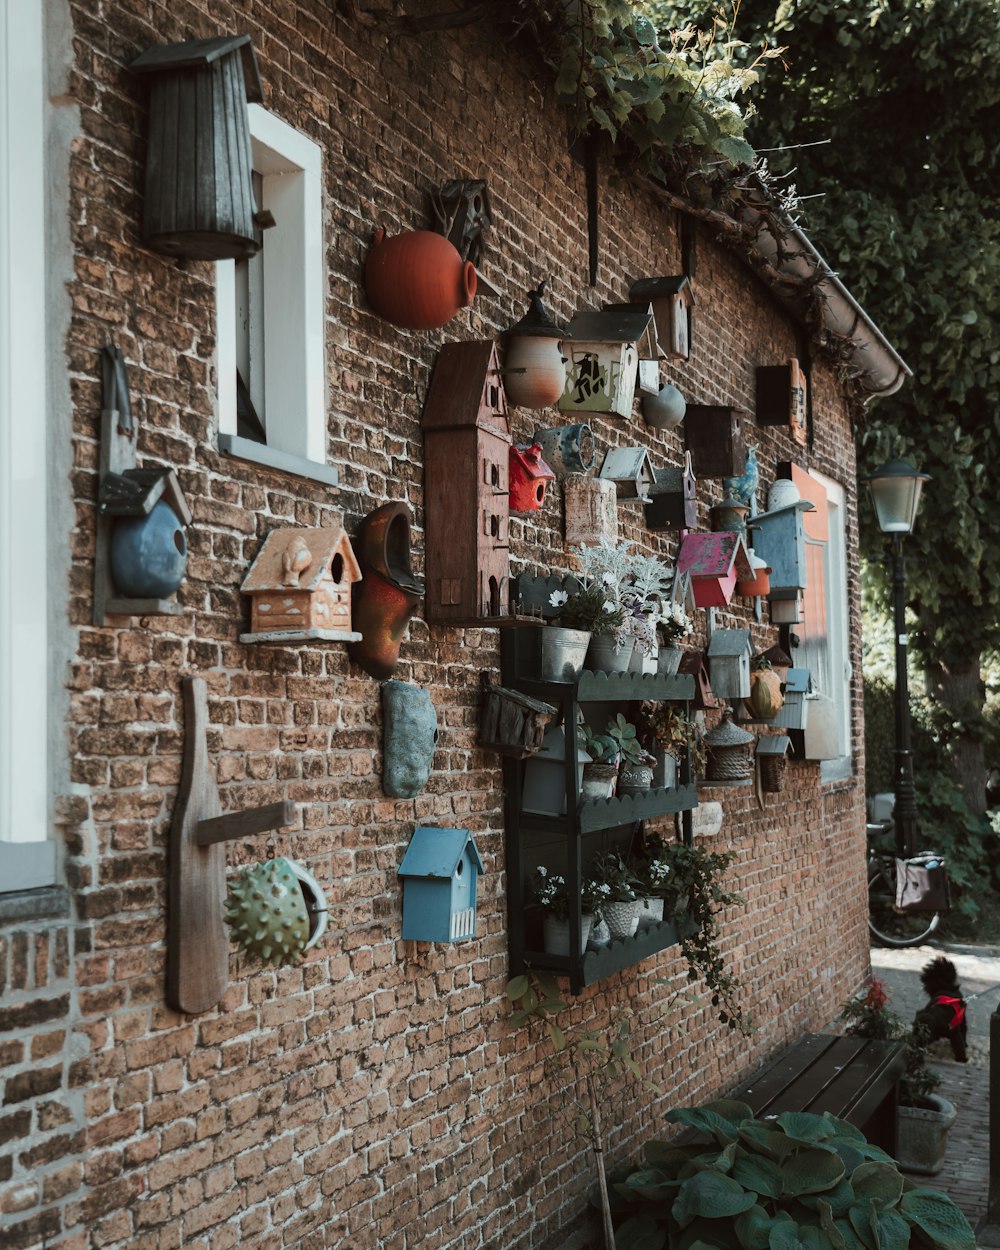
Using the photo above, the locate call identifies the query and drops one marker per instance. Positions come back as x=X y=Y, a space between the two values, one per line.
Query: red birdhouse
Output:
x=714 y=561
x=529 y=476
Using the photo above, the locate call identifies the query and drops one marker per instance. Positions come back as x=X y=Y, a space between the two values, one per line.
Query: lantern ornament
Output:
x=534 y=366
x=895 y=488
x=529 y=476
x=729 y=759
x=276 y=911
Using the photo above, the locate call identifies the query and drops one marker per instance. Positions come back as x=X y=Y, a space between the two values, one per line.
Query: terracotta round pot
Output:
x=417 y=280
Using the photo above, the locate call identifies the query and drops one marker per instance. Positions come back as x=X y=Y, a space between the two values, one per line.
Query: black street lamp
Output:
x=895 y=490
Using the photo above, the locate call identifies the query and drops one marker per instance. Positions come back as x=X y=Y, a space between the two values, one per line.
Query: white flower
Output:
x=558 y=598
x=608 y=578
x=542 y=870
x=609 y=605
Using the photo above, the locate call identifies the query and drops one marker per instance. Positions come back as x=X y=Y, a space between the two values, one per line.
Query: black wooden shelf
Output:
x=609 y=813
x=621 y=953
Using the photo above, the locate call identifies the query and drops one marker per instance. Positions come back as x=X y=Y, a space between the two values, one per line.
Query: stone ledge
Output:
x=48 y=903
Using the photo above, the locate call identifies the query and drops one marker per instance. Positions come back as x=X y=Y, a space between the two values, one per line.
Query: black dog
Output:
x=944 y=1015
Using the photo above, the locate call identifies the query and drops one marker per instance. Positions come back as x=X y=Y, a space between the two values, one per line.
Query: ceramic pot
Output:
x=567 y=448
x=534 y=374
x=634 y=778
x=149 y=553
x=599 y=781
x=650 y=912
x=783 y=494
x=389 y=592
x=664 y=410
x=922 y=1135
x=600 y=936
x=603 y=658
x=563 y=652
x=555 y=934
x=668 y=660
x=417 y=280
x=622 y=918
x=642 y=663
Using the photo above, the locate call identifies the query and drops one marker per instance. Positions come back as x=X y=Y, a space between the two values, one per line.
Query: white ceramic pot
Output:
x=599 y=781
x=634 y=778
x=783 y=492
x=534 y=371
x=600 y=936
x=622 y=918
x=555 y=934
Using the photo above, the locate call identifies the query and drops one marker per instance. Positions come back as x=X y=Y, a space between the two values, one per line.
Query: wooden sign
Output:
x=591 y=505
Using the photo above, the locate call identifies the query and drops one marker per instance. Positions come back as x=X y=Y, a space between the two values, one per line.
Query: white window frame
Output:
x=290 y=166
x=27 y=851
x=838 y=655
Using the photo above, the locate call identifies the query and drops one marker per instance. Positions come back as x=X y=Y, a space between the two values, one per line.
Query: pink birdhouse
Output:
x=529 y=476
x=714 y=562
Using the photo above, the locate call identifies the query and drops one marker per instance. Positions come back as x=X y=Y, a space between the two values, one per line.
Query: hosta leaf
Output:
x=829 y=1225
x=879 y=1181
x=862 y=1216
x=770 y=1141
x=753 y=1228
x=706 y=1121
x=763 y=1176
x=710 y=1194
x=839 y=1199
x=640 y=1233
x=665 y=1155
x=843 y=1129
x=804 y=1126
x=938 y=1218
x=785 y=1237
x=812 y=1171
x=893 y=1231
x=851 y=1239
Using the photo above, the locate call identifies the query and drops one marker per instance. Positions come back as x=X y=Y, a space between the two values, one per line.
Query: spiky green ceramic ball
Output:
x=266 y=911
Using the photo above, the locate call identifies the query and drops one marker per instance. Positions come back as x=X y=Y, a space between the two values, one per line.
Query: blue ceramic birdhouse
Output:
x=440 y=871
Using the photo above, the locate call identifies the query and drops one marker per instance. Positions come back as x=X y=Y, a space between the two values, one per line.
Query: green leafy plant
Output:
x=626 y=736
x=663 y=726
x=787 y=1182
x=618 y=877
x=870 y=1015
x=602 y=748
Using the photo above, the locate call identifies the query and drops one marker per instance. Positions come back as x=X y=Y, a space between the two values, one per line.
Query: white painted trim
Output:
x=24 y=702
x=294 y=332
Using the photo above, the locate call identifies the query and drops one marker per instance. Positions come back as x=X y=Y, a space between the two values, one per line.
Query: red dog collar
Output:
x=957 y=1008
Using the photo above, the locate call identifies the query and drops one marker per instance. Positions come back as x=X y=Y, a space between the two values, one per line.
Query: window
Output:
x=270 y=310
x=27 y=855
x=823 y=632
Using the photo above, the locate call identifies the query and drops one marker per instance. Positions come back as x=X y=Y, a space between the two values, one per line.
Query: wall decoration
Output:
x=567 y=448
x=197 y=949
x=417 y=280
x=409 y=738
x=772 y=752
x=440 y=873
x=714 y=563
x=743 y=486
x=730 y=761
x=602 y=361
x=300 y=587
x=695 y=664
x=591 y=505
x=713 y=434
x=529 y=476
x=464 y=215
x=729 y=654
x=534 y=366
x=673 y=301
x=673 y=502
x=276 y=911
x=389 y=592
x=779 y=540
x=631 y=471
x=140 y=547
x=665 y=410
x=513 y=723
x=199 y=201
x=647 y=347
x=794 y=712
x=466 y=487
x=782 y=398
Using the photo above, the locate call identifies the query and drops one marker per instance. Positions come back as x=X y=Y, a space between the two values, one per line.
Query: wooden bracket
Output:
x=197 y=942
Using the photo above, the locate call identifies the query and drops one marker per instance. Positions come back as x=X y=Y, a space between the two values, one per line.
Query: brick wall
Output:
x=373 y=1096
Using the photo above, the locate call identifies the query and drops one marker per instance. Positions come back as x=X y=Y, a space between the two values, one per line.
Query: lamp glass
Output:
x=895 y=490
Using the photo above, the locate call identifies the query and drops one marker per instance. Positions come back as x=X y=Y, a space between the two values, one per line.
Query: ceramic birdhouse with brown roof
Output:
x=300 y=587
x=529 y=476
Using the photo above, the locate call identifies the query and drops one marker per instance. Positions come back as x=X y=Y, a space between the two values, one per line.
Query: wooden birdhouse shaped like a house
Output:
x=467 y=446
x=440 y=872
x=529 y=476
x=714 y=562
x=672 y=301
x=673 y=502
x=782 y=397
x=602 y=360
x=630 y=470
x=647 y=346
x=780 y=541
x=794 y=712
x=771 y=753
x=729 y=655
x=300 y=587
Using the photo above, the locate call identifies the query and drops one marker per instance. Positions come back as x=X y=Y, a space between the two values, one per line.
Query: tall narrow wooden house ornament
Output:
x=672 y=300
x=467 y=446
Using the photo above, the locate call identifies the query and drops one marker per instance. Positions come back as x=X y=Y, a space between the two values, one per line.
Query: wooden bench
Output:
x=853 y=1078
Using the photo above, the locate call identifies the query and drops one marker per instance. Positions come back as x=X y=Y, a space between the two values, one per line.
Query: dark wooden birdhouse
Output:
x=199 y=170
x=673 y=502
x=713 y=434
x=772 y=752
x=672 y=300
x=630 y=470
x=467 y=446
x=529 y=476
x=714 y=562
x=602 y=359
x=695 y=664
x=300 y=587
x=513 y=723
x=782 y=397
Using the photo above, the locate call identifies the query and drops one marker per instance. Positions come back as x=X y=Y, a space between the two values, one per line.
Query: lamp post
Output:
x=895 y=490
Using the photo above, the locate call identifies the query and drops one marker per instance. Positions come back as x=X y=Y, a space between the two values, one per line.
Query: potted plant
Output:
x=645 y=584
x=657 y=880
x=792 y=1180
x=626 y=587
x=635 y=773
x=665 y=732
x=673 y=625
x=617 y=884
x=600 y=775
x=923 y=1118
x=551 y=893
x=588 y=613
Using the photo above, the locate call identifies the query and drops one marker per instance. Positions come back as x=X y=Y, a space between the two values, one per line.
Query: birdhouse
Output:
x=630 y=470
x=794 y=712
x=591 y=505
x=466 y=493
x=389 y=593
x=440 y=872
x=647 y=346
x=714 y=561
x=730 y=514
x=713 y=435
x=602 y=357
x=534 y=365
x=772 y=752
x=544 y=789
x=199 y=201
x=567 y=448
x=672 y=300
x=786 y=607
x=529 y=476
x=779 y=660
x=673 y=502
x=780 y=541
x=694 y=664
x=729 y=655
x=730 y=761
x=513 y=723
x=300 y=587
x=782 y=398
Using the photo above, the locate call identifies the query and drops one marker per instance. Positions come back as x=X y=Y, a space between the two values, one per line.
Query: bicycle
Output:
x=887 y=924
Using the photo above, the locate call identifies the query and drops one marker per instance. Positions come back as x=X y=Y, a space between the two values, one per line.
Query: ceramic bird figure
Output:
x=295 y=559
x=744 y=487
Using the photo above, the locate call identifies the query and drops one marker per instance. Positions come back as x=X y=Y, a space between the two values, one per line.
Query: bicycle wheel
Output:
x=889 y=927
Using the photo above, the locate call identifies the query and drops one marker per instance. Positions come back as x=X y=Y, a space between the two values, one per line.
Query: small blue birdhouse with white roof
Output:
x=440 y=871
